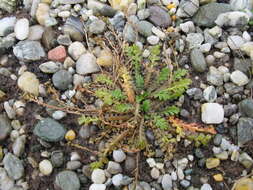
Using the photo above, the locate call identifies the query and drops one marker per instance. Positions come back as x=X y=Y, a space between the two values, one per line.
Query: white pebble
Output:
x=153 y=40
x=45 y=167
x=98 y=176
x=22 y=29
x=155 y=173
x=97 y=187
x=116 y=180
x=119 y=155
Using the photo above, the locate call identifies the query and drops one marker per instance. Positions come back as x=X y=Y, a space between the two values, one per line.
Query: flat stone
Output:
x=74 y=28
x=159 y=17
x=212 y=163
x=28 y=82
x=208 y=13
x=194 y=40
x=5 y=127
x=212 y=113
x=67 y=180
x=97 y=26
x=49 y=130
x=13 y=166
x=49 y=38
x=35 y=32
x=50 y=67
x=232 y=19
x=187 y=8
x=244 y=130
x=86 y=64
x=28 y=51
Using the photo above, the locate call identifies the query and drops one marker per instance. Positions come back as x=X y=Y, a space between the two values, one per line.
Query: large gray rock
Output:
x=232 y=19
x=28 y=51
x=5 y=127
x=207 y=14
x=244 y=130
x=198 y=60
x=159 y=16
x=49 y=130
x=67 y=180
x=13 y=166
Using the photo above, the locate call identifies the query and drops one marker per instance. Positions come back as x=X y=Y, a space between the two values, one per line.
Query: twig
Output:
x=82 y=147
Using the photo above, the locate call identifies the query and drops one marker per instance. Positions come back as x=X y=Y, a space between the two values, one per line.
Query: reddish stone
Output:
x=57 y=54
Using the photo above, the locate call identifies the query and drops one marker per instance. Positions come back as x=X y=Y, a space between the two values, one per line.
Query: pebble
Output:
x=155 y=173
x=246 y=107
x=244 y=184
x=114 y=167
x=159 y=17
x=97 y=187
x=188 y=8
x=235 y=42
x=206 y=186
x=145 y=28
x=187 y=27
x=210 y=94
x=185 y=183
x=153 y=40
x=18 y=146
x=232 y=19
x=7 y=25
x=42 y=13
x=214 y=76
x=218 y=177
x=70 y=135
x=45 y=167
x=5 y=127
x=57 y=158
x=116 y=180
x=73 y=165
x=13 y=166
x=49 y=38
x=212 y=163
x=28 y=51
x=194 y=40
x=97 y=27
x=198 y=60
x=86 y=64
x=50 y=67
x=160 y=34
x=28 y=82
x=119 y=155
x=248 y=49
x=212 y=113
x=35 y=32
x=62 y=79
x=64 y=40
x=67 y=180
x=98 y=176
x=143 y=14
x=21 y=29
x=76 y=49
x=105 y=58
x=49 y=130
x=57 y=54
x=239 y=78
x=167 y=181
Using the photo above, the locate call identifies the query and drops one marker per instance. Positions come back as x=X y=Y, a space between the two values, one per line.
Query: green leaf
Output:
x=171 y=110
x=160 y=122
x=139 y=80
x=87 y=120
x=175 y=91
x=122 y=107
x=163 y=75
x=179 y=74
x=251 y=22
x=105 y=96
x=118 y=94
x=155 y=55
x=96 y=165
x=104 y=79
x=145 y=106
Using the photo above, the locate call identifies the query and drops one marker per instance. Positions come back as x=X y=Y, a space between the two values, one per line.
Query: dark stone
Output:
x=159 y=17
x=244 y=130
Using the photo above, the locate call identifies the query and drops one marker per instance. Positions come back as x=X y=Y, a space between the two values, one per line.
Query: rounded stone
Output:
x=62 y=79
x=5 y=127
x=21 y=29
x=119 y=155
x=98 y=176
x=45 y=167
x=49 y=130
x=86 y=64
x=97 y=187
x=13 y=166
x=67 y=180
x=198 y=60
x=212 y=163
x=35 y=32
x=28 y=82
x=76 y=49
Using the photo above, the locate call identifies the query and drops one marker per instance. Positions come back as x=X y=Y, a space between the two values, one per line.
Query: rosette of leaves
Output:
x=138 y=95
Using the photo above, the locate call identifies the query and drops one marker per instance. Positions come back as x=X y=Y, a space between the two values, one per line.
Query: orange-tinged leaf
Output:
x=193 y=127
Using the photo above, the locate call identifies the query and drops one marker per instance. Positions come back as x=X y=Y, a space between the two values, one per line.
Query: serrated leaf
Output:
x=160 y=122
x=145 y=106
x=122 y=107
x=171 y=110
x=179 y=73
x=85 y=120
x=163 y=75
x=104 y=79
x=118 y=94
